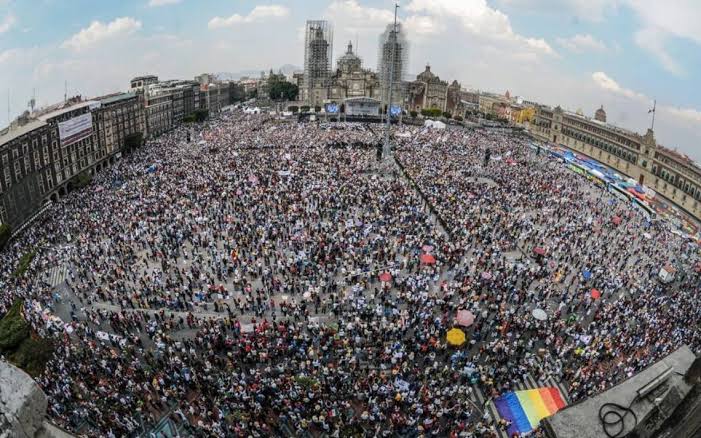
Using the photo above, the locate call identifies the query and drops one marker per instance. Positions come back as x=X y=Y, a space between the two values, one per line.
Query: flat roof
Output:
x=116 y=98
x=581 y=420
x=19 y=131
x=58 y=112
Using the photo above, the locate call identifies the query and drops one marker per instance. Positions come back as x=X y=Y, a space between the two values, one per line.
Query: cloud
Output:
x=652 y=40
x=582 y=43
x=157 y=3
x=98 y=32
x=7 y=23
x=686 y=114
x=258 y=14
x=352 y=17
x=477 y=18
x=609 y=84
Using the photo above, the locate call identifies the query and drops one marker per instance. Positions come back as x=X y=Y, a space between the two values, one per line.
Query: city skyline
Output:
x=619 y=53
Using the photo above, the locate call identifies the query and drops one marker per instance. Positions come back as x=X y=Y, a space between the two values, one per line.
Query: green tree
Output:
x=317 y=109
x=201 y=115
x=305 y=108
x=284 y=89
x=458 y=118
x=5 y=234
x=431 y=112
x=413 y=114
x=447 y=115
x=133 y=141
x=294 y=109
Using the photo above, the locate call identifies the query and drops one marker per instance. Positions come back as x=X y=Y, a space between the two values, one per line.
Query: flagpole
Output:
x=654 y=110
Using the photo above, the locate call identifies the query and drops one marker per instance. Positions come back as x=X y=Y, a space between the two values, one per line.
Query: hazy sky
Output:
x=576 y=53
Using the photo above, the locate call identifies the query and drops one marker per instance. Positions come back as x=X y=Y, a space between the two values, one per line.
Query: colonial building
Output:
x=428 y=91
x=351 y=80
x=118 y=116
x=669 y=173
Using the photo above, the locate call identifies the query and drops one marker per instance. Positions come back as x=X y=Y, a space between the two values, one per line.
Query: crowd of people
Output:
x=270 y=278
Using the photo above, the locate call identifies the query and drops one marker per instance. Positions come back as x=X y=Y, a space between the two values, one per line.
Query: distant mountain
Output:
x=286 y=69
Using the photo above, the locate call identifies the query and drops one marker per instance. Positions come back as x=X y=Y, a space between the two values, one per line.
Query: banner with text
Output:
x=75 y=129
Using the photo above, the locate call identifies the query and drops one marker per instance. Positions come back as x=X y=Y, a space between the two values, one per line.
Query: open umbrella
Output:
x=385 y=277
x=427 y=259
x=539 y=314
x=427 y=248
x=539 y=250
x=465 y=318
x=616 y=220
x=586 y=274
x=455 y=337
x=596 y=294
x=486 y=275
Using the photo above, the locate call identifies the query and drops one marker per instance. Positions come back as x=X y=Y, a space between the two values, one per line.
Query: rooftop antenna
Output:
x=653 y=111
x=65 y=91
x=32 y=101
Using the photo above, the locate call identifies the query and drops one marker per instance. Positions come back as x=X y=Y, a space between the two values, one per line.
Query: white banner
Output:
x=75 y=129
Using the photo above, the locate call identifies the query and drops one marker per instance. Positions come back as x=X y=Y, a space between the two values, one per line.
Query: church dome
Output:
x=600 y=114
x=350 y=61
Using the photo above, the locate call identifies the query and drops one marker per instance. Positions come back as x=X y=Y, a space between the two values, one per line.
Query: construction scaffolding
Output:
x=393 y=49
x=318 y=55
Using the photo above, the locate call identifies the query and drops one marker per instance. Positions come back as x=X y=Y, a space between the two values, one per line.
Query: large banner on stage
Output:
x=75 y=129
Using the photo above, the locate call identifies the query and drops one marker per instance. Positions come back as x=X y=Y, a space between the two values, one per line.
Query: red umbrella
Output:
x=427 y=259
x=617 y=220
x=539 y=250
x=465 y=318
x=385 y=277
x=596 y=294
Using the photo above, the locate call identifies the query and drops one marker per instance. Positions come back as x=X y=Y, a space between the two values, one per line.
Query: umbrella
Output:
x=427 y=259
x=465 y=318
x=307 y=294
x=586 y=274
x=539 y=250
x=596 y=294
x=647 y=235
x=455 y=337
x=616 y=220
x=486 y=275
x=427 y=248
x=385 y=277
x=539 y=314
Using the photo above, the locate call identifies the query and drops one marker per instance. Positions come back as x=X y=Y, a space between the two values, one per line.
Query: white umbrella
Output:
x=539 y=314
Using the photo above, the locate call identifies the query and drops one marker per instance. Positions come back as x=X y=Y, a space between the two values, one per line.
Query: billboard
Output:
x=75 y=129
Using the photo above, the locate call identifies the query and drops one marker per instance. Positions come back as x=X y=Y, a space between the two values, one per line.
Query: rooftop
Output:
x=116 y=98
x=62 y=110
x=581 y=420
x=10 y=133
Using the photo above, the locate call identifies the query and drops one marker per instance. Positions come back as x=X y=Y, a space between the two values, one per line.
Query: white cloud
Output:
x=157 y=3
x=582 y=43
x=351 y=17
x=7 y=23
x=258 y=14
x=609 y=84
x=477 y=18
x=98 y=32
x=653 y=41
x=686 y=114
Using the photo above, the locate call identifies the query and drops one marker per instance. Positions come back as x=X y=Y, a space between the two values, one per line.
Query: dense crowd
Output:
x=232 y=283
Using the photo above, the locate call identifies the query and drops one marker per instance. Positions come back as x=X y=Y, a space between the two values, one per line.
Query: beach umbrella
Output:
x=385 y=277
x=465 y=318
x=539 y=250
x=486 y=275
x=596 y=294
x=455 y=337
x=427 y=259
x=616 y=220
x=539 y=314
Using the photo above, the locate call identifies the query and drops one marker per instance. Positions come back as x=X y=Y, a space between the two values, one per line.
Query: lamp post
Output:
x=387 y=150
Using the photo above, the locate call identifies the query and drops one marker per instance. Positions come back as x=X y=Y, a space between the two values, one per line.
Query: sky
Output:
x=578 y=54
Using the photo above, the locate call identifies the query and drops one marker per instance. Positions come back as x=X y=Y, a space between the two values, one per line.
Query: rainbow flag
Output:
x=525 y=409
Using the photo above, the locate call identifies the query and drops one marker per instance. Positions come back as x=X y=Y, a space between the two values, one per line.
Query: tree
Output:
x=294 y=109
x=133 y=141
x=305 y=108
x=5 y=234
x=458 y=118
x=413 y=114
x=201 y=115
x=431 y=112
x=284 y=89
x=447 y=115
x=317 y=109
x=489 y=116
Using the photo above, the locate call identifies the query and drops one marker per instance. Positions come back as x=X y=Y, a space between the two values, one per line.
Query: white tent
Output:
x=434 y=124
